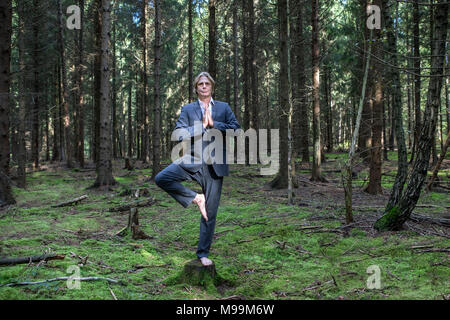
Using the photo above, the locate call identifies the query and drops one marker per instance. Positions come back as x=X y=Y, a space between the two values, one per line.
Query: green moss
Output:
x=388 y=220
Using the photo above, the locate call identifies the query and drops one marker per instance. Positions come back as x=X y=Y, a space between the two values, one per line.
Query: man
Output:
x=210 y=114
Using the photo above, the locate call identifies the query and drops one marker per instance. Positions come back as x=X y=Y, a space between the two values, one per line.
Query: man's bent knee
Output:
x=159 y=179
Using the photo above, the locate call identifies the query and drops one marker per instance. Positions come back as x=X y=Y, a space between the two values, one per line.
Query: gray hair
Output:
x=204 y=74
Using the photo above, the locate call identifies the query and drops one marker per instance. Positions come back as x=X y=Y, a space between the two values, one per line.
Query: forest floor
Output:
x=263 y=248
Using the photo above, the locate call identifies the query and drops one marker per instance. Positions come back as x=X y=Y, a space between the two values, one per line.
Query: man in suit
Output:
x=198 y=119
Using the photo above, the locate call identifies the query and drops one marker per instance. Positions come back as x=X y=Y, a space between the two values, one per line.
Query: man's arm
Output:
x=230 y=121
x=183 y=123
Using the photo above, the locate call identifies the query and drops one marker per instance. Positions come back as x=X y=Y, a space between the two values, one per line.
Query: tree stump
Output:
x=133 y=225
x=128 y=165
x=196 y=274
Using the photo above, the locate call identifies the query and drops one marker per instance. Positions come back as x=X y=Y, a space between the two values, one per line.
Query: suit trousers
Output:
x=170 y=180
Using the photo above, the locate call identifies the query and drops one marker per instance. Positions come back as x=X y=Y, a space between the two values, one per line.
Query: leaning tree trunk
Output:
x=104 y=164
x=394 y=77
x=398 y=214
x=6 y=196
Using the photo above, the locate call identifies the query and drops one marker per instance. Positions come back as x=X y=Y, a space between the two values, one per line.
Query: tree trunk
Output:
x=191 y=56
x=130 y=125
x=144 y=105
x=79 y=93
x=97 y=77
x=374 y=186
x=6 y=196
x=236 y=107
x=417 y=79
x=104 y=165
x=253 y=67
x=397 y=215
x=281 y=180
x=65 y=97
x=22 y=156
x=246 y=75
x=157 y=108
x=115 y=138
x=394 y=79
x=316 y=171
x=303 y=120
x=37 y=84
x=212 y=39
x=439 y=163
x=347 y=172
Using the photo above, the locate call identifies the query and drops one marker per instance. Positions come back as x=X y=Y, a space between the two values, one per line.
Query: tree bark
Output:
x=395 y=89
x=104 y=165
x=130 y=125
x=316 y=171
x=22 y=156
x=417 y=78
x=157 y=107
x=36 y=84
x=79 y=137
x=374 y=186
x=97 y=77
x=303 y=120
x=65 y=96
x=281 y=180
x=190 y=55
x=212 y=39
x=439 y=163
x=6 y=196
x=253 y=65
x=237 y=111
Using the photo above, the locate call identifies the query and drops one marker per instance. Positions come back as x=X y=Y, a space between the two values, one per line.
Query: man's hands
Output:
x=207 y=119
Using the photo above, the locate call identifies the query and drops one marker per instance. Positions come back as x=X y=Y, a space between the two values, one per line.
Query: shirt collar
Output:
x=211 y=103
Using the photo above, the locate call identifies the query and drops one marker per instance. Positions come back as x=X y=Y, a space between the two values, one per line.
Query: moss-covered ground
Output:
x=263 y=248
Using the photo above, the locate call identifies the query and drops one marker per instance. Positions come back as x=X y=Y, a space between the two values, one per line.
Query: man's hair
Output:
x=197 y=79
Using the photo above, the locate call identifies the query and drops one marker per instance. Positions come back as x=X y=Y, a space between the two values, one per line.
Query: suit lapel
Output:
x=198 y=110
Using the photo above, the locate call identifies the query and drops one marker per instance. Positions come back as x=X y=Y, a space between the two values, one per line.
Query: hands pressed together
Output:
x=207 y=119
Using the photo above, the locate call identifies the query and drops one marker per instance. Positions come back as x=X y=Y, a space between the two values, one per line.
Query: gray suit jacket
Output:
x=223 y=118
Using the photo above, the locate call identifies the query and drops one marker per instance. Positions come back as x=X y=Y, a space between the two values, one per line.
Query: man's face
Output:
x=204 y=87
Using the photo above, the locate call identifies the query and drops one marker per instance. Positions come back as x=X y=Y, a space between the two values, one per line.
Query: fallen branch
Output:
x=57 y=279
x=20 y=260
x=68 y=203
x=435 y=250
x=439 y=221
